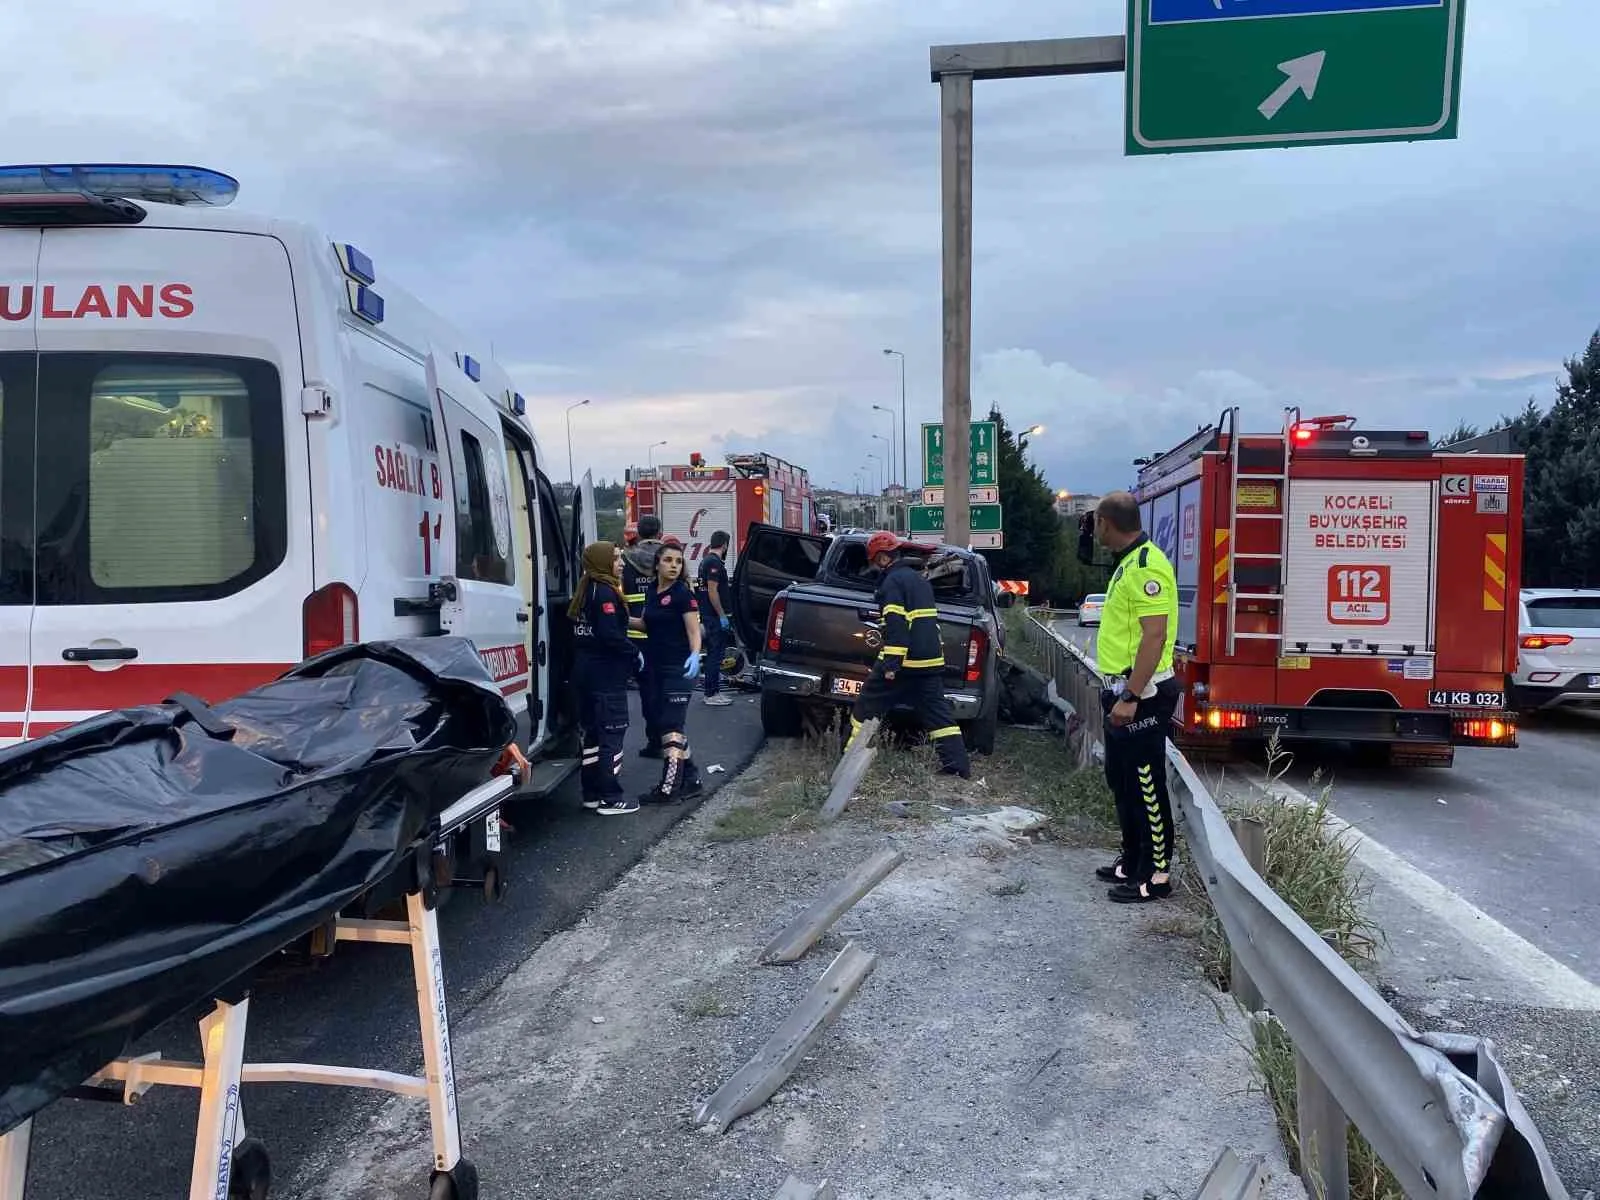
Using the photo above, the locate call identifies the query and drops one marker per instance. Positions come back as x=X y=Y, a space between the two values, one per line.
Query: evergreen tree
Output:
x=1460 y=433
x=1561 y=520
x=1032 y=529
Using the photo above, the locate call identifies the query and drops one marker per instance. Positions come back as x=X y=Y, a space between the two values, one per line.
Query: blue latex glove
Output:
x=691 y=667
x=641 y=664
x=727 y=621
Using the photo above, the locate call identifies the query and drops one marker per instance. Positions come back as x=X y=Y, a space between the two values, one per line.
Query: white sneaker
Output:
x=719 y=701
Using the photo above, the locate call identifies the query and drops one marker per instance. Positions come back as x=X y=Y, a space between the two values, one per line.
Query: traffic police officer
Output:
x=638 y=569
x=1138 y=628
x=910 y=667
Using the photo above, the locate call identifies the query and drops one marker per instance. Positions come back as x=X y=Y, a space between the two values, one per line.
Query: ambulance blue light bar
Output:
x=123 y=181
x=519 y=406
x=355 y=264
x=470 y=367
x=365 y=302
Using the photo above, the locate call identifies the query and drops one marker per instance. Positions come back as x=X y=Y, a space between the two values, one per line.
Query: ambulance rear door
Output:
x=19 y=257
x=483 y=600
x=171 y=546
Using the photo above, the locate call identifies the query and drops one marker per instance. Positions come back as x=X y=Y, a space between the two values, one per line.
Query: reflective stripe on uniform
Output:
x=945 y=732
x=915 y=613
x=891 y=651
x=921 y=664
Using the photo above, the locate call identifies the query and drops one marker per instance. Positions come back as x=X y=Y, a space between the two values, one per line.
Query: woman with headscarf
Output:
x=672 y=650
x=604 y=661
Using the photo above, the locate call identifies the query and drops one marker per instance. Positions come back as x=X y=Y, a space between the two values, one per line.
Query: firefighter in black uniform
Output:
x=605 y=657
x=638 y=569
x=910 y=667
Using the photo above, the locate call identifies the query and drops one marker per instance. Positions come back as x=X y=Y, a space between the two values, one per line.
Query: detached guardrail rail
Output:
x=1438 y=1109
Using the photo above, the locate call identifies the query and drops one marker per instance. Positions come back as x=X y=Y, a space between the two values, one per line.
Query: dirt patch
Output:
x=1020 y=1037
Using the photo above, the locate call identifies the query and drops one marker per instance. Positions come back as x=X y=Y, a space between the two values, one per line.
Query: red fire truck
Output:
x=1340 y=584
x=697 y=499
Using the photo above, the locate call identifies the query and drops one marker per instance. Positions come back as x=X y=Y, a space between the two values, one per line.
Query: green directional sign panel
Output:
x=1243 y=74
x=985 y=436
x=929 y=518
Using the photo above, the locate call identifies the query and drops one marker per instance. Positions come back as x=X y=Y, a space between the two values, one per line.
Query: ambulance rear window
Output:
x=161 y=477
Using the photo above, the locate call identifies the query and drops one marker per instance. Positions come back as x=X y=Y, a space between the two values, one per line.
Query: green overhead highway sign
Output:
x=984 y=462
x=929 y=518
x=1244 y=74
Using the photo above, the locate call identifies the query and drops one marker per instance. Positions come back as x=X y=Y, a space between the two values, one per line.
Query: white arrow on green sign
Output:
x=985 y=436
x=1241 y=74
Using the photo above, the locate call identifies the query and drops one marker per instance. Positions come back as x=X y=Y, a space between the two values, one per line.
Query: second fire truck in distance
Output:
x=1340 y=584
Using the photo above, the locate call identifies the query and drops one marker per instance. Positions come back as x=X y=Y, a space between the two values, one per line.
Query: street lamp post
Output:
x=650 y=455
x=905 y=474
x=572 y=479
x=885 y=463
x=894 y=441
x=1022 y=438
x=874 y=473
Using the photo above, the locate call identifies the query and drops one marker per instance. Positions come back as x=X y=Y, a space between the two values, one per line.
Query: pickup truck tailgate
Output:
x=834 y=627
x=831 y=626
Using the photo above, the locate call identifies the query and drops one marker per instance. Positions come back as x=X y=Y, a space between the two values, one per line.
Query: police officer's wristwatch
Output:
x=1127 y=697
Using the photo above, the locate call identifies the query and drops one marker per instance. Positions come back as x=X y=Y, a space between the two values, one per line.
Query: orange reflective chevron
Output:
x=1494 y=572
x=1219 y=568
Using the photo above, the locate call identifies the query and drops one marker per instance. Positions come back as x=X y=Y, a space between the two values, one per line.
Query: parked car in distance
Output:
x=1558 y=660
x=1089 y=611
x=804 y=607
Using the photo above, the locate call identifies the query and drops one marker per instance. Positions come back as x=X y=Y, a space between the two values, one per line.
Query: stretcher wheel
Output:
x=460 y=1182
x=251 y=1175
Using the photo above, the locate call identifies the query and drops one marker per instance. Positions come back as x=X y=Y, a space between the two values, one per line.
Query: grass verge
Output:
x=1310 y=867
x=787 y=798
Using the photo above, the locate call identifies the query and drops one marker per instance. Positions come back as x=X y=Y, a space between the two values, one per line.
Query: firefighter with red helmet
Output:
x=910 y=667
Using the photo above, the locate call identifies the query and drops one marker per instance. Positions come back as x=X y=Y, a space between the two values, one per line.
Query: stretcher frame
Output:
x=220 y=1133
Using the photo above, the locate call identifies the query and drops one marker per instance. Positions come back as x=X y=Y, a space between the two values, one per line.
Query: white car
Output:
x=1089 y=611
x=1558 y=661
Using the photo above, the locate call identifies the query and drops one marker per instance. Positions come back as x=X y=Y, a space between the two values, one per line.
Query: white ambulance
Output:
x=227 y=443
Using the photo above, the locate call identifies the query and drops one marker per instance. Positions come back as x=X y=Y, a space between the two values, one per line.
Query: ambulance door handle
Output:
x=523 y=617
x=100 y=653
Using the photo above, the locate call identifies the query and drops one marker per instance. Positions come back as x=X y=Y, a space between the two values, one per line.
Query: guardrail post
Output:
x=1324 y=1135
x=1251 y=834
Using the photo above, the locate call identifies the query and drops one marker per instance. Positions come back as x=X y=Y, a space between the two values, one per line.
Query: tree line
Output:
x=1561 y=492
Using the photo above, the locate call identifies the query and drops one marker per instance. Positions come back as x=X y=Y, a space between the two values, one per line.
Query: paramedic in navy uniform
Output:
x=672 y=651
x=605 y=658
x=712 y=596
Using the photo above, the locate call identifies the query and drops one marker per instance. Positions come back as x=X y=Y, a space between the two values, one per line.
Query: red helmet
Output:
x=882 y=542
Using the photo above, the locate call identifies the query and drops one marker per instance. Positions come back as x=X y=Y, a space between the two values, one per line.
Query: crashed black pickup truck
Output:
x=803 y=606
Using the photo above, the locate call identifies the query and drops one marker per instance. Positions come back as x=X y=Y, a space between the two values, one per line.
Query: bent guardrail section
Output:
x=1438 y=1109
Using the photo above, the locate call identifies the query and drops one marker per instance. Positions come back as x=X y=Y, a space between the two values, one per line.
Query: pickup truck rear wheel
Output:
x=780 y=715
x=980 y=734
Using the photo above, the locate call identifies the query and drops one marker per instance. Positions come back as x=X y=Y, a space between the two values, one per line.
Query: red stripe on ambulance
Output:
x=80 y=689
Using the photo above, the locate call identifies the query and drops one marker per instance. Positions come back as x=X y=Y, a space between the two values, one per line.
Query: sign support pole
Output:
x=955 y=68
x=955 y=110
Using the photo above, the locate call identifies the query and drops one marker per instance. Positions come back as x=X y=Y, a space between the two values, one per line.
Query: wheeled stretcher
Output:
x=152 y=859
x=229 y=1163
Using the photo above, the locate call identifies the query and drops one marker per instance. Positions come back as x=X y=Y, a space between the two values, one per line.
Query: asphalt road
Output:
x=1481 y=878
x=357 y=1008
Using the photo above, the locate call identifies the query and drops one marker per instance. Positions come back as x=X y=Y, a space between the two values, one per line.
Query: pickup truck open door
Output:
x=773 y=558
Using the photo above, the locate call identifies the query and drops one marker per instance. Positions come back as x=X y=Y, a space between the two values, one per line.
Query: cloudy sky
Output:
x=710 y=217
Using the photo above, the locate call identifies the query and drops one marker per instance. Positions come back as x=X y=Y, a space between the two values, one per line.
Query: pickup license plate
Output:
x=1446 y=698
x=846 y=687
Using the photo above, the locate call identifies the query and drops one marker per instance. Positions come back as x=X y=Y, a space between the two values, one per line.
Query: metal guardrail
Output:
x=1438 y=1109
